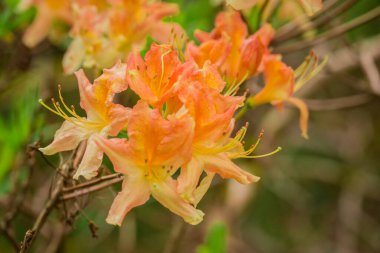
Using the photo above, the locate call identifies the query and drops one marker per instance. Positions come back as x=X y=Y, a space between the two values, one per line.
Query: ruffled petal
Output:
x=91 y=161
x=223 y=166
x=67 y=137
x=112 y=81
x=166 y=193
x=135 y=192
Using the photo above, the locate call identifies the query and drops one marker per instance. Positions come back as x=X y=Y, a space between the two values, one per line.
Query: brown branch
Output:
x=31 y=234
x=318 y=22
x=338 y=103
x=293 y=25
x=93 y=188
x=7 y=234
x=335 y=32
x=92 y=182
x=368 y=64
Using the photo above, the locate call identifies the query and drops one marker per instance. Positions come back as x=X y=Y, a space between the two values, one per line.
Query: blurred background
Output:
x=316 y=195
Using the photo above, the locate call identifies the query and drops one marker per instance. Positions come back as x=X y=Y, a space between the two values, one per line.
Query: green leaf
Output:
x=215 y=240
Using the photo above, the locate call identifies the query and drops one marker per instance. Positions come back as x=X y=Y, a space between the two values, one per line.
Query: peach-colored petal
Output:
x=279 y=83
x=38 y=30
x=203 y=187
x=120 y=154
x=74 y=56
x=223 y=166
x=166 y=193
x=112 y=81
x=168 y=33
x=119 y=116
x=241 y=4
x=91 y=161
x=154 y=77
x=304 y=117
x=188 y=179
x=135 y=192
x=87 y=100
x=24 y=4
x=66 y=138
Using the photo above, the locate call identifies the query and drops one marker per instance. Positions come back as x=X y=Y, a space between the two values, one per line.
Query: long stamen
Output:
x=278 y=149
x=162 y=69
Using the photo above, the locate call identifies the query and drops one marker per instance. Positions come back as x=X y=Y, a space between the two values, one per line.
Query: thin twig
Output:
x=93 y=188
x=368 y=64
x=95 y=181
x=31 y=234
x=335 y=32
x=338 y=103
x=294 y=24
x=328 y=16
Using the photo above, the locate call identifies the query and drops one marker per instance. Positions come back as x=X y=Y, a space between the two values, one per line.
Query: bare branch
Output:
x=335 y=32
x=93 y=188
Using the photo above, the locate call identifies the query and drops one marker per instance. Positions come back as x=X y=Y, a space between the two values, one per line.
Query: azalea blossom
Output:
x=281 y=82
x=155 y=149
x=155 y=78
x=101 y=35
x=212 y=149
x=237 y=56
x=48 y=11
x=103 y=117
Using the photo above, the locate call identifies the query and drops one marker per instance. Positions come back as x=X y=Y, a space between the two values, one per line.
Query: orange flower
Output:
x=48 y=11
x=155 y=149
x=237 y=57
x=103 y=117
x=212 y=148
x=281 y=82
x=101 y=35
x=154 y=79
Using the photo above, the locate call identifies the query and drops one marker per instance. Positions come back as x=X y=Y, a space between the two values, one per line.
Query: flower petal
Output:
x=189 y=178
x=203 y=187
x=91 y=161
x=279 y=82
x=241 y=4
x=166 y=193
x=74 y=56
x=119 y=116
x=38 y=30
x=135 y=192
x=118 y=151
x=67 y=137
x=304 y=117
x=223 y=166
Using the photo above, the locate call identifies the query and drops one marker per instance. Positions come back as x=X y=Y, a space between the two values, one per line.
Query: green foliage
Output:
x=12 y=20
x=367 y=30
x=15 y=129
x=215 y=240
x=195 y=15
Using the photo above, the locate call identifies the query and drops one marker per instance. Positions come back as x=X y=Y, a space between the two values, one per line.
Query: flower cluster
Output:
x=184 y=119
x=103 y=31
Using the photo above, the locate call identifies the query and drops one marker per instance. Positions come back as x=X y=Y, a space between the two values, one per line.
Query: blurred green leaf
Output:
x=215 y=240
x=15 y=129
